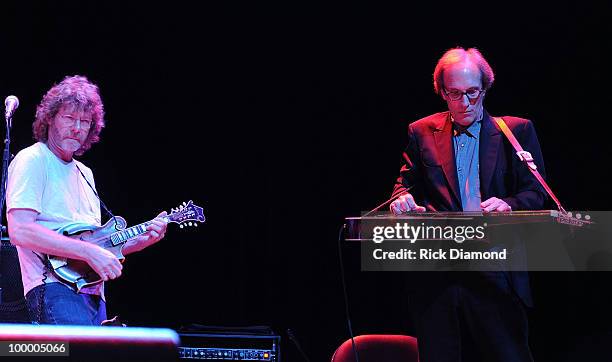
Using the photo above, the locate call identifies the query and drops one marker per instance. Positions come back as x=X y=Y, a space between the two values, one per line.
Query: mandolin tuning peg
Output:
x=190 y=223
x=184 y=203
x=181 y=226
x=195 y=224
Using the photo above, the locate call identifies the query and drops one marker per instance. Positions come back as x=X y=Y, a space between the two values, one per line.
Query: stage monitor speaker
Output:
x=82 y=343
x=13 y=308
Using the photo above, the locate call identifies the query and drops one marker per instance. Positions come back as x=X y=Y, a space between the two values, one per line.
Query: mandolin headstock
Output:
x=187 y=214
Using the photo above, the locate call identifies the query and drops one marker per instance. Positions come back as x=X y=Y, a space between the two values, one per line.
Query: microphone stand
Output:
x=6 y=157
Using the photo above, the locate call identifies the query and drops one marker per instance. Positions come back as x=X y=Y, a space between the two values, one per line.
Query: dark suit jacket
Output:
x=429 y=172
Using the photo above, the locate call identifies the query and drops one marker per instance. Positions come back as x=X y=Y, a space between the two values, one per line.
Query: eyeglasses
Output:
x=456 y=95
x=67 y=121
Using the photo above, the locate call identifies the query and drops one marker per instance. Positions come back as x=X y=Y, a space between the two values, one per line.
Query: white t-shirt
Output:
x=55 y=189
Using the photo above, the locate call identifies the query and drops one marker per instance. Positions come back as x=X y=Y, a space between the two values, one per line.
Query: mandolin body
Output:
x=78 y=273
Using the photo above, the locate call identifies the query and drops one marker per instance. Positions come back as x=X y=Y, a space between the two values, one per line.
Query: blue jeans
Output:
x=55 y=303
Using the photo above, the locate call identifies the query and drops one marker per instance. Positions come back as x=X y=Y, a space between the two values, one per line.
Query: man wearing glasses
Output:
x=48 y=188
x=459 y=160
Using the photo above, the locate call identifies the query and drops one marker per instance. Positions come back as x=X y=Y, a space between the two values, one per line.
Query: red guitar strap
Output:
x=527 y=159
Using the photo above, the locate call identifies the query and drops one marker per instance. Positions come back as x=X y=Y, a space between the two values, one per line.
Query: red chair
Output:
x=379 y=348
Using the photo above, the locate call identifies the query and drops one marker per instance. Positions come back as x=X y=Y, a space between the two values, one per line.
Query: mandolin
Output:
x=111 y=236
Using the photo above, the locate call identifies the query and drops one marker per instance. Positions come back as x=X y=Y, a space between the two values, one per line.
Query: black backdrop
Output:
x=281 y=119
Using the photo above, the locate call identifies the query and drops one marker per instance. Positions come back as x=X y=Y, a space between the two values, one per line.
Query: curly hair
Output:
x=76 y=91
x=456 y=55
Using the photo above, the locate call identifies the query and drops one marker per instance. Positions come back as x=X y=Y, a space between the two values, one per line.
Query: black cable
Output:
x=293 y=339
x=41 y=295
x=346 y=303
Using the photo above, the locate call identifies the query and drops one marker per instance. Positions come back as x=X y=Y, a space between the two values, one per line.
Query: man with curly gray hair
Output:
x=48 y=189
x=80 y=95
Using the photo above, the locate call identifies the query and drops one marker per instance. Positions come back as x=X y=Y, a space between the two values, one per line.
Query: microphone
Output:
x=10 y=103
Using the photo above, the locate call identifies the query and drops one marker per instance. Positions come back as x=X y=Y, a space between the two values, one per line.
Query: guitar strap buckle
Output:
x=526 y=157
